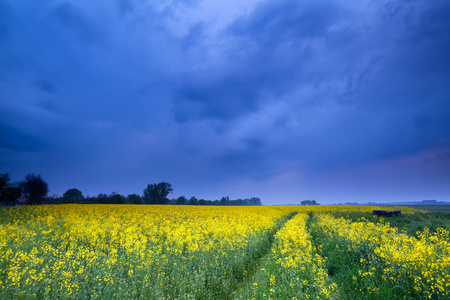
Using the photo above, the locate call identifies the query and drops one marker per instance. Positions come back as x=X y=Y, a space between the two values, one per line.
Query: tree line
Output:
x=34 y=190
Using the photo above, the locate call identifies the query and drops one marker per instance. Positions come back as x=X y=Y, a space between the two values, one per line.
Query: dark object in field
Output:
x=389 y=213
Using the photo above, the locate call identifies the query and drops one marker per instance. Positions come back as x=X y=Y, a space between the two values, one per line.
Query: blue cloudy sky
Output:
x=284 y=100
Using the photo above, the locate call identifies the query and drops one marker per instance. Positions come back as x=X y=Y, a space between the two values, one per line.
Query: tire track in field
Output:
x=292 y=268
x=253 y=266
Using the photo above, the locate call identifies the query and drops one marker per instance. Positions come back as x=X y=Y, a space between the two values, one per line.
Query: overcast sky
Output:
x=285 y=100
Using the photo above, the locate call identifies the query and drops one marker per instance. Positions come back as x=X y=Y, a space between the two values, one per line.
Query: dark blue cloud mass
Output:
x=285 y=100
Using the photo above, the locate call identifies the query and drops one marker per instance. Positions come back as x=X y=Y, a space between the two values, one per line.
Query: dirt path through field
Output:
x=254 y=268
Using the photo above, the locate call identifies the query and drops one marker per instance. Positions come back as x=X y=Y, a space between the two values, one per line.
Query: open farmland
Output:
x=433 y=208
x=191 y=252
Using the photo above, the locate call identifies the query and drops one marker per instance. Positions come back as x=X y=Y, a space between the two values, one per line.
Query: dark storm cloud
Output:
x=4 y=17
x=13 y=139
x=200 y=91
x=125 y=6
x=246 y=160
x=398 y=66
x=266 y=52
x=275 y=22
x=45 y=86
x=218 y=98
x=74 y=19
x=408 y=97
x=195 y=35
x=422 y=37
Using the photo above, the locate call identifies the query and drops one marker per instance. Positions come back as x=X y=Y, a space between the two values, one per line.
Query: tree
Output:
x=102 y=198
x=193 y=201
x=4 y=179
x=115 y=198
x=9 y=193
x=134 y=199
x=157 y=193
x=182 y=200
x=309 y=202
x=151 y=194
x=73 y=196
x=224 y=200
x=204 y=202
x=34 y=188
x=254 y=201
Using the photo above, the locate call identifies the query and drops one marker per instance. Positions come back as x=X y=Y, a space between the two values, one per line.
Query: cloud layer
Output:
x=240 y=99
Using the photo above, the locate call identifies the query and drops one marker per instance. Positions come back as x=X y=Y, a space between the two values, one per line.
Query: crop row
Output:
x=188 y=252
x=292 y=269
x=324 y=257
x=120 y=252
x=375 y=261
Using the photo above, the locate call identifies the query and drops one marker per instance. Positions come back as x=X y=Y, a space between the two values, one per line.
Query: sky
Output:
x=285 y=100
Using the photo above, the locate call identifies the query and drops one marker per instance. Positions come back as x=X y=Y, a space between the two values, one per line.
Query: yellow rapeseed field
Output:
x=293 y=269
x=419 y=265
x=116 y=251
x=202 y=252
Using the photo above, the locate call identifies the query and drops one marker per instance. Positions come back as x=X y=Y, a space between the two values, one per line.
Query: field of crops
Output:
x=201 y=252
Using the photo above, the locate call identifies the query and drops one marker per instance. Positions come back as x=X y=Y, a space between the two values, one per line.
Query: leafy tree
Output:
x=10 y=194
x=309 y=202
x=172 y=201
x=157 y=193
x=101 y=199
x=204 y=202
x=134 y=199
x=238 y=202
x=151 y=194
x=73 y=196
x=55 y=199
x=4 y=179
x=34 y=188
x=193 y=201
x=224 y=200
x=115 y=198
x=254 y=201
x=182 y=200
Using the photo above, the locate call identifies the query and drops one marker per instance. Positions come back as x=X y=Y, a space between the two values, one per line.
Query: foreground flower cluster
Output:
x=117 y=252
x=293 y=269
x=387 y=263
x=193 y=252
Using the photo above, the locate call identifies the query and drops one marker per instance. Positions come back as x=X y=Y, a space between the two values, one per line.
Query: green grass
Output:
x=362 y=273
x=409 y=222
x=253 y=271
x=291 y=270
x=431 y=207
